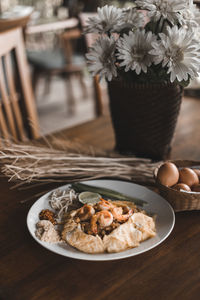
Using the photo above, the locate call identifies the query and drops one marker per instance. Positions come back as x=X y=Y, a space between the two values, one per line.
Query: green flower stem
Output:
x=161 y=23
x=157 y=26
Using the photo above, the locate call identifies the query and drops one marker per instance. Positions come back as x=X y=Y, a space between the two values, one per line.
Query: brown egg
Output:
x=188 y=176
x=196 y=188
x=168 y=174
x=181 y=186
x=197 y=171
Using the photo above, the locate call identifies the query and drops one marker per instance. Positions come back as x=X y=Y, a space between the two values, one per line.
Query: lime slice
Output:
x=89 y=197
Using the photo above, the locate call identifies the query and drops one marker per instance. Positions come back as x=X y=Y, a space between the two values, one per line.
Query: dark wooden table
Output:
x=169 y=271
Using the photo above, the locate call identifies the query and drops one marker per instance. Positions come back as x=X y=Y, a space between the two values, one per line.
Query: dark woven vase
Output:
x=144 y=117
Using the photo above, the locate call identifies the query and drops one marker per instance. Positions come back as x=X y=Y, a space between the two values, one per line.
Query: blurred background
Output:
x=65 y=93
x=65 y=96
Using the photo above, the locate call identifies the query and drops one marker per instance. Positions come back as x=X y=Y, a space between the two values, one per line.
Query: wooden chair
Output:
x=18 y=116
x=6 y=24
x=89 y=39
x=61 y=61
x=19 y=18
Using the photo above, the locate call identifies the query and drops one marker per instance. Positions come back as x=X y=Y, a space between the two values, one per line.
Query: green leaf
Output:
x=183 y=83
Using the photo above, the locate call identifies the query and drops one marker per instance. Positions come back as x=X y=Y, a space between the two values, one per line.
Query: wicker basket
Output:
x=180 y=201
x=144 y=117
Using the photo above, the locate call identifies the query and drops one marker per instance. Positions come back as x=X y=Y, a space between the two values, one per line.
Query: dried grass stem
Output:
x=31 y=163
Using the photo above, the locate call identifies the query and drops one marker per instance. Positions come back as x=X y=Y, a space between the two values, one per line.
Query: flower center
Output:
x=175 y=55
x=104 y=24
x=163 y=7
x=138 y=54
x=107 y=59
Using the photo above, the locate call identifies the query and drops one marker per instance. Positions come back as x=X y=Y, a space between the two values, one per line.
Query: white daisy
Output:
x=191 y=16
x=107 y=20
x=134 y=50
x=101 y=59
x=130 y=19
x=191 y=20
x=168 y=9
x=179 y=52
x=197 y=33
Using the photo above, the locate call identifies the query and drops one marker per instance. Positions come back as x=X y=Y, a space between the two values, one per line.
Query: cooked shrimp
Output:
x=85 y=212
x=118 y=214
x=104 y=204
x=104 y=218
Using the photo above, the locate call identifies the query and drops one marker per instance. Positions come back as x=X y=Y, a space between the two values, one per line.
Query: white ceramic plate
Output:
x=156 y=205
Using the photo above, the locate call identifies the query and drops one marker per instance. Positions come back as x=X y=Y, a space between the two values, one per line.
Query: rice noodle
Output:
x=62 y=200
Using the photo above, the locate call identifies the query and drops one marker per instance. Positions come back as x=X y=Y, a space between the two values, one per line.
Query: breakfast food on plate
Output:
x=97 y=227
x=108 y=226
x=180 y=179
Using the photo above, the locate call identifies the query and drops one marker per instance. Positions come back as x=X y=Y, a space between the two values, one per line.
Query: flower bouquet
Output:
x=147 y=53
x=155 y=40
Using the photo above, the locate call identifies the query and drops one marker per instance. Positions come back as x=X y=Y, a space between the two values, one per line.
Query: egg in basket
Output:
x=178 y=182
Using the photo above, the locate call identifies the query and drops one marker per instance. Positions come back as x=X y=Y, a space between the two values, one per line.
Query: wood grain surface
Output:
x=169 y=271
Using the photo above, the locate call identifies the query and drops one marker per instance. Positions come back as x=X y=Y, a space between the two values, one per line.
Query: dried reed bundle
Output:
x=27 y=164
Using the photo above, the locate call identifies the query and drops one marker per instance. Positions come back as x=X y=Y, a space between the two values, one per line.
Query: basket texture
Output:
x=180 y=201
x=144 y=117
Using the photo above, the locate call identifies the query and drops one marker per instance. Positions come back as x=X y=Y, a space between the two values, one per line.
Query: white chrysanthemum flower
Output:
x=107 y=20
x=191 y=21
x=130 y=19
x=101 y=59
x=134 y=50
x=197 y=33
x=168 y=9
x=191 y=16
x=179 y=52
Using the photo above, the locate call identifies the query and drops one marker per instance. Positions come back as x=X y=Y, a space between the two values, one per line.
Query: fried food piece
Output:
x=49 y=215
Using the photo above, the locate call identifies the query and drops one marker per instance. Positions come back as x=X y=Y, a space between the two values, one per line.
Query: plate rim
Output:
x=93 y=257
